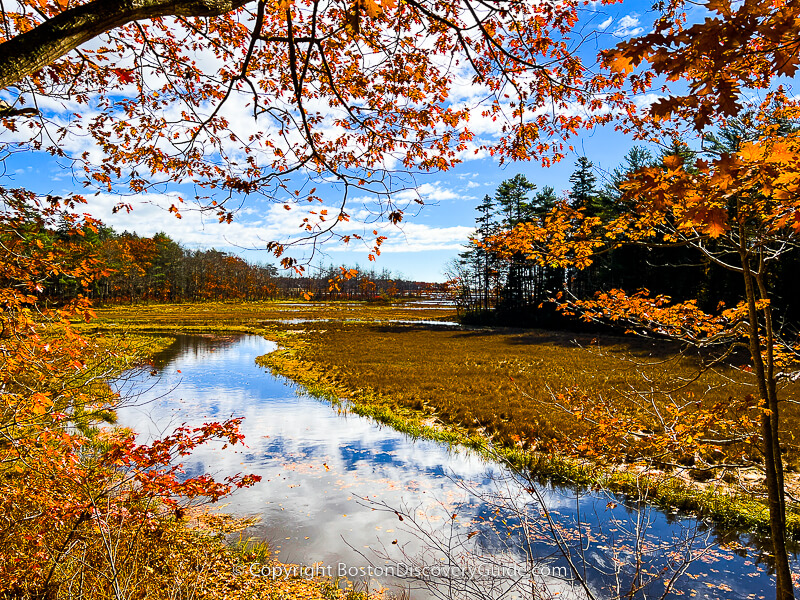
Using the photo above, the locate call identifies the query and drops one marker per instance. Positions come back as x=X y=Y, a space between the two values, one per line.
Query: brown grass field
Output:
x=261 y=314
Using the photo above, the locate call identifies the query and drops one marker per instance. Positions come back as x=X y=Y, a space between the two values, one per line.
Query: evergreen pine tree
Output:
x=512 y=199
x=487 y=227
x=584 y=193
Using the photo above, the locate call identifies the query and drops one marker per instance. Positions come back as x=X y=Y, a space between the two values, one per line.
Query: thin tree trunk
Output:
x=773 y=465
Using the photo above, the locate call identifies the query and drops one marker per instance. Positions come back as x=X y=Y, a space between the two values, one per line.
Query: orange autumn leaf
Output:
x=617 y=62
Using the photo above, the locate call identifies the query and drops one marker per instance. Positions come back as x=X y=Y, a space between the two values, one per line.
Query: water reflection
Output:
x=335 y=487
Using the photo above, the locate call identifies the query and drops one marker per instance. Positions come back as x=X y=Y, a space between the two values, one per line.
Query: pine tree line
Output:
x=495 y=287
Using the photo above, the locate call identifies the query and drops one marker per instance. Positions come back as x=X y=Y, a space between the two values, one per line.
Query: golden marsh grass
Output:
x=501 y=381
x=260 y=314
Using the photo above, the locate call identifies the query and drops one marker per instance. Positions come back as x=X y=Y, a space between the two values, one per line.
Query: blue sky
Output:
x=419 y=248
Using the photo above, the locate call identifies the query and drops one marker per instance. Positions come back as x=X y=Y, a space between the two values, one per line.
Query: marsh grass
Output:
x=501 y=382
x=486 y=389
x=466 y=387
x=256 y=315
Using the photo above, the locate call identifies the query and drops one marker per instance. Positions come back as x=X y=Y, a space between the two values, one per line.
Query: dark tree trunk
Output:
x=29 y=52
x=773 y=463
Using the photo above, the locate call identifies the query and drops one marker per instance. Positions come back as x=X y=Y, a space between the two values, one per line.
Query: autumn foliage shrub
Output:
x=85 y=511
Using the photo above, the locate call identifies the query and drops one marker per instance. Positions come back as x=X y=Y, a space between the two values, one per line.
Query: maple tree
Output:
x=736 y=48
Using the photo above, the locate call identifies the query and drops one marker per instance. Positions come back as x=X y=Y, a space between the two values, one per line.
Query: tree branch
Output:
x=33 y=50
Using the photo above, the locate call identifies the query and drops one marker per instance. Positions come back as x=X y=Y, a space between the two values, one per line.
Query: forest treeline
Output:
x=495 y=286
x=158 y=269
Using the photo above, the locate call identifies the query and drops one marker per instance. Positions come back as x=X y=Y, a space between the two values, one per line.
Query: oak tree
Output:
x=738 y=208
x=752 y=195
x=79 y=500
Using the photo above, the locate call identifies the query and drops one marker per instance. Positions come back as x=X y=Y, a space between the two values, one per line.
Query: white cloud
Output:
x=628 y=26
x=428 y=193
x=604 y=25
x=645 y=100
x=417 y=237
x=253 y=227
x=150 y=216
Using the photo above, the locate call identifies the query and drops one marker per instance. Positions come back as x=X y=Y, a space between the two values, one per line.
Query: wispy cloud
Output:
x=628 y=26
x=253 y=227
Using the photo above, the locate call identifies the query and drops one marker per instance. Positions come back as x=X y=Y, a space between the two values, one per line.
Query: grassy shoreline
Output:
x=724 y=506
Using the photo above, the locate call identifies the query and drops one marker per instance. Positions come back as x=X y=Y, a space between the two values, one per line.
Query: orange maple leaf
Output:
x=716 y=223
x=617 y=62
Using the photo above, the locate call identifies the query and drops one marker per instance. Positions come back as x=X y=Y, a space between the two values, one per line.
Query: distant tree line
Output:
x=159 y=269
x=498 y=287
x=334 y=282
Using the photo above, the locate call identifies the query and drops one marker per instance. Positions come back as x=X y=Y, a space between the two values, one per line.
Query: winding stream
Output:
x=335 y=486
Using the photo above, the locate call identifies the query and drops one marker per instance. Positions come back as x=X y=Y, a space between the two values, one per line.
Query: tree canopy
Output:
x=273 y=98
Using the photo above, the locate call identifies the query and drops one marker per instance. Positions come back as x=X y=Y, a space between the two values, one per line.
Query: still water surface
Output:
x=334 y=486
